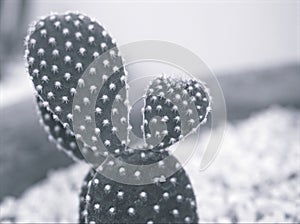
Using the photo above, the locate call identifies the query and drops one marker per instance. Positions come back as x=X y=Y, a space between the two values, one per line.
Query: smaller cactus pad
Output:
x=173 y=109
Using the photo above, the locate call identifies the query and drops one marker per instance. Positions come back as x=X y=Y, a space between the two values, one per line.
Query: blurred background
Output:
x=253 y=49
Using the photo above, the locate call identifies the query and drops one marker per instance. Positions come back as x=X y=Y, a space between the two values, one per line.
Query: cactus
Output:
x=170 y=201
x=59 y=50
x=182 y=106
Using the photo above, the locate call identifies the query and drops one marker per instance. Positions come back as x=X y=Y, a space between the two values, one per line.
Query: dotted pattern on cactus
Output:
x=57 y=133
x=59 y=50
x=168 y=201
x=181 y=105
x=83 y=195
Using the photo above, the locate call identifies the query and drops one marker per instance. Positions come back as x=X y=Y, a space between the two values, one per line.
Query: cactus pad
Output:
x=169 y=201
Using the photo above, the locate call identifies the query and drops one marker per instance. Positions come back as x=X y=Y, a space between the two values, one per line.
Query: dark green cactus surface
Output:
x=59 y=48
x=171 y=200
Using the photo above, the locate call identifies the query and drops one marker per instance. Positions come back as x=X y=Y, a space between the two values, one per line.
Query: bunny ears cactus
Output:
x=60 y=49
